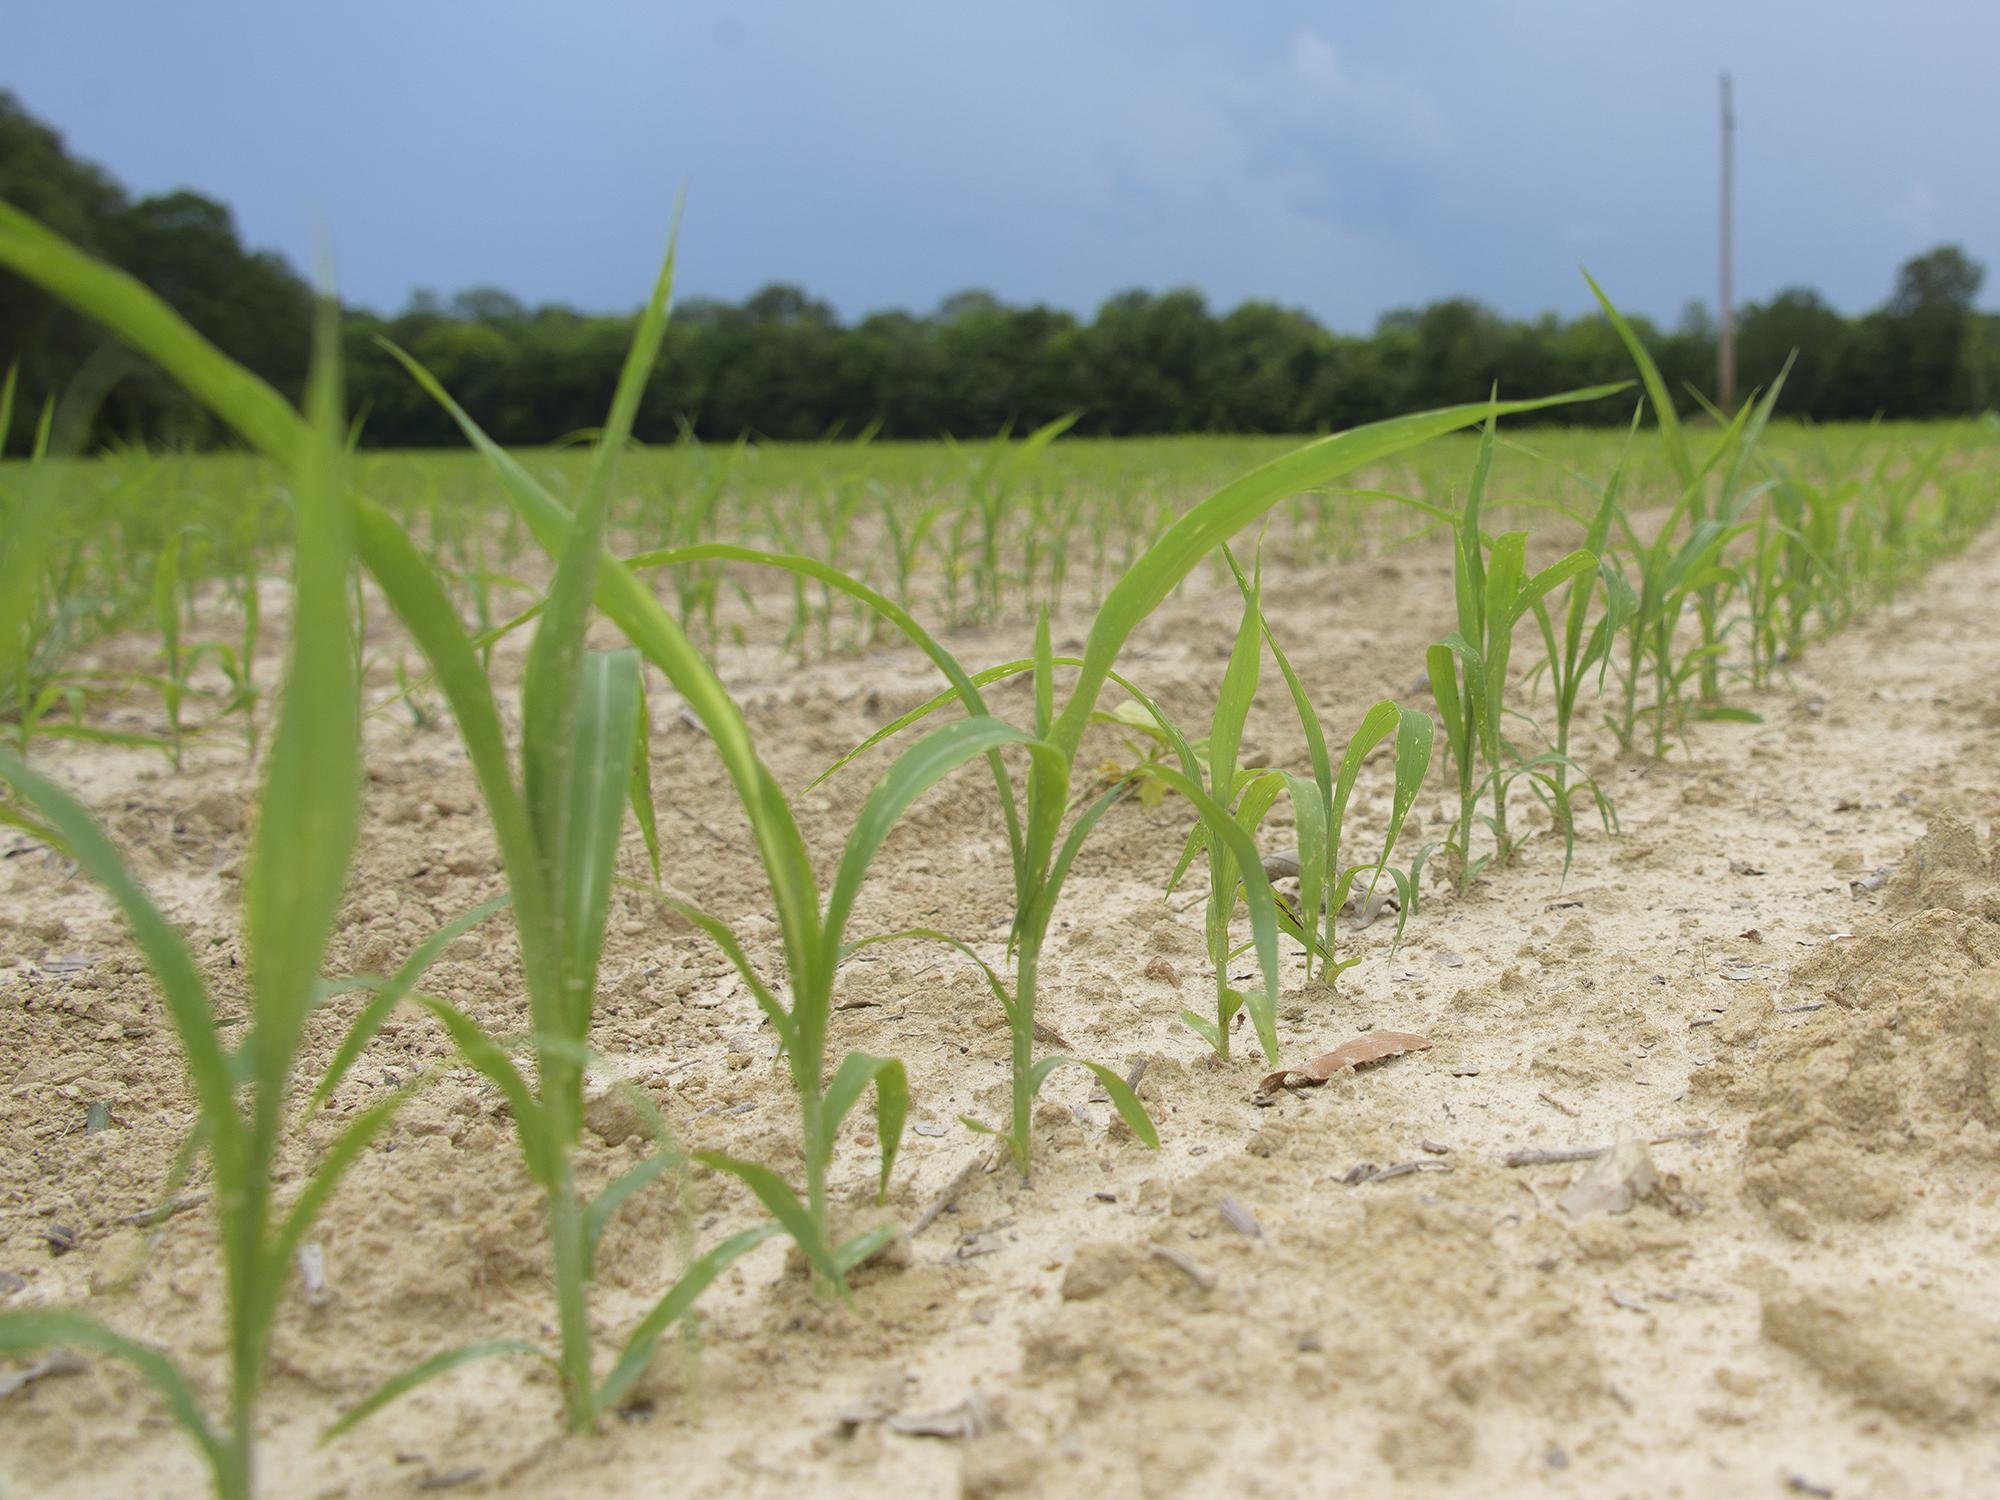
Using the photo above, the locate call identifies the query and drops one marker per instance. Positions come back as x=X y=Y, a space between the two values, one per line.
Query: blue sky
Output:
x=1346 y=158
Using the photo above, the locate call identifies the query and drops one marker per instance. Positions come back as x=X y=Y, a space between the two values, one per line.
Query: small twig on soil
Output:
x=56 y=1362
x=943 y=1200
x=1793 y=1010
x=1048 y=1035
x=1366 y=1173
x=159 y=1213
x=1556 y=1104
x=1239 y=1218
x=1589 y=1153
x=719 y=838
x=1188 y=1266
x=970 y=1418
x=451 y=1479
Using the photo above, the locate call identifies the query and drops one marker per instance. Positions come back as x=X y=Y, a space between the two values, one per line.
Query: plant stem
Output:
x=1662 y=679
x=1711 y=667
x=235 y=1475
x=818 y=1149
x=1629 y=730
x=1565 y=706
x=1025 y=969
x=572 y=1254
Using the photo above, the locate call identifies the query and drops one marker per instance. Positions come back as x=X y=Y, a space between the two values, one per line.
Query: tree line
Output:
x=783 y=365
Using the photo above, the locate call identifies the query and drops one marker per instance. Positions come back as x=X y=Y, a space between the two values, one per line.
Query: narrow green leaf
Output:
x=1553 y=576
x=392 y=993
x=914 y=772
x=312 y=786
x=1232 y=703
x=427 y=1370
x=41 y=832
x=870 y=1242
x=121 y=302
x=640 y=792
x=1204 y=1028
x=924 y=710
x=419 y=601
x=1469 y=579
x=784 y=1206
x=660 y=639
x=670 y=1309
x=1072 y=845
x=488 y=1058
x=1442 y=668
x=1656 y=388
x=1146 y=584
x=634 y=1179
x=165 y=952
x=1122 y=1098
x=1256 y=894
x=1310 y=818
x=333 y=1164
x=600 y=769
x=42 y=1329
x=1376 y=725
x=994 y=982
x=1045 y=676
x=553 y=682
x=892 y=1102
x=719 y=933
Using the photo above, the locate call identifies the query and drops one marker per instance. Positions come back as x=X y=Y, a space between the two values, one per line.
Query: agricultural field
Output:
x=1455 y=956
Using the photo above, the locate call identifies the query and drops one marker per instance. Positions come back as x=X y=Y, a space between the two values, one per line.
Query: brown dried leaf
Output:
x=1376 y=1046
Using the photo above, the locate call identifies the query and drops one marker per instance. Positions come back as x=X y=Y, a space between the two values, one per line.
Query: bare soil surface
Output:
x=1792 y=1290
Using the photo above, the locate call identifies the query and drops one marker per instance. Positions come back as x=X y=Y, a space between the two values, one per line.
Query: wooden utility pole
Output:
x=1725 y=344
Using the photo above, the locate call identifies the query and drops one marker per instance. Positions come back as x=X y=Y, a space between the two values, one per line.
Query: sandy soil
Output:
x=1796 y=1303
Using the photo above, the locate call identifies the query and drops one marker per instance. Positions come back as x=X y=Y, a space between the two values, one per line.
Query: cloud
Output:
x=1916 y=211
x=1298 y=129
x=1347 y=157
x=1385 y=109
x=1286 y=171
